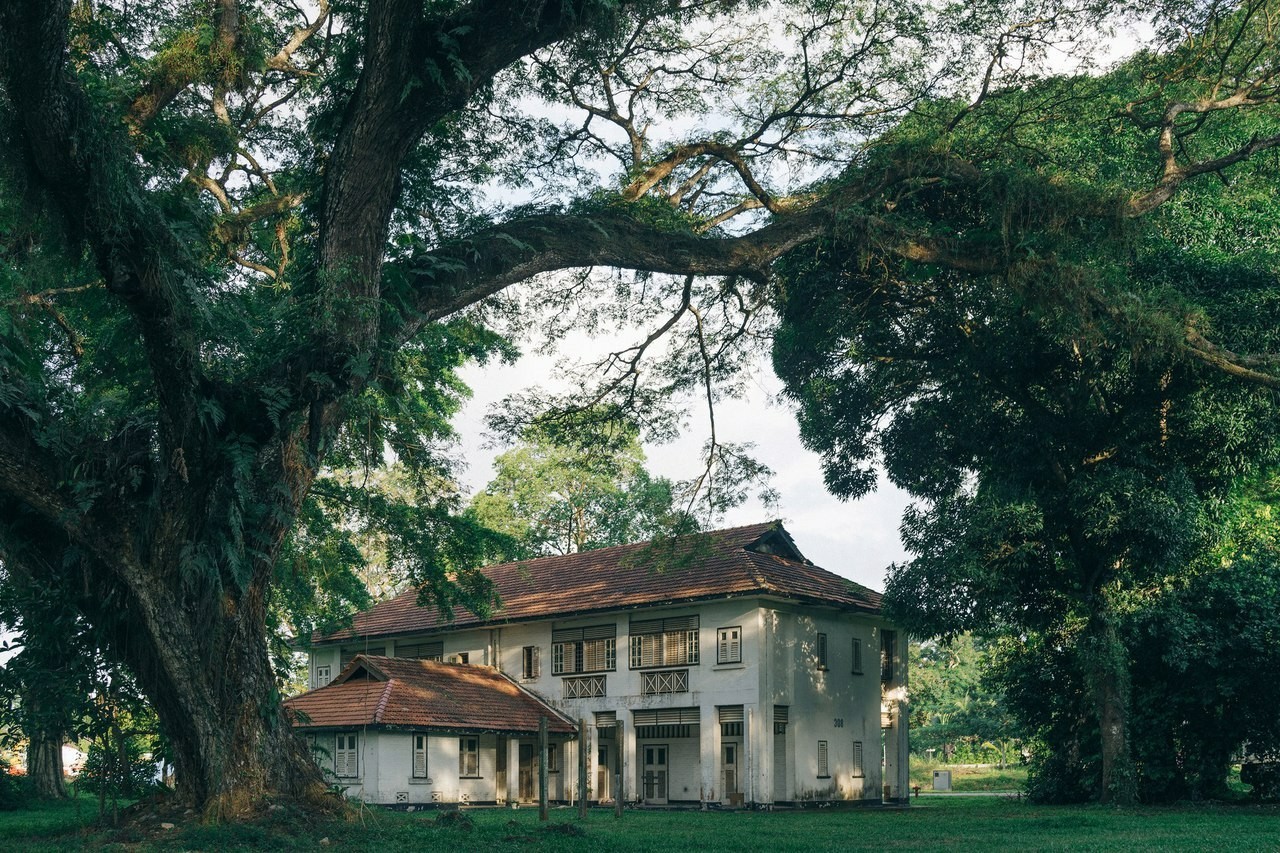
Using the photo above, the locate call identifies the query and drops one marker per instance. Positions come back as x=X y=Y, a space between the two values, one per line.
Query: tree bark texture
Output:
x=44 y=763
x=1107 y=667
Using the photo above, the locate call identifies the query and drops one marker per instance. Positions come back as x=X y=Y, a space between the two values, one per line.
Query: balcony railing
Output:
x=584 y=688
x=668 y=681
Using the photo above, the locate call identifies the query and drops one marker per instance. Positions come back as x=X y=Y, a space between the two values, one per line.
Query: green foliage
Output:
x=1067 y=450
x=574 y=485
x=15 y=791
x=957 y=714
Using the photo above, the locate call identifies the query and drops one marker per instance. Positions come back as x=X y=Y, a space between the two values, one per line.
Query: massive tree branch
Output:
x=460 y=274
x=1240 y=366
x=87 y=168
x=416 y=71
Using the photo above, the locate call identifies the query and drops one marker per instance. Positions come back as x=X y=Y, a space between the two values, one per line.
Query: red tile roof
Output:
x=759 y=559
x=420 y=694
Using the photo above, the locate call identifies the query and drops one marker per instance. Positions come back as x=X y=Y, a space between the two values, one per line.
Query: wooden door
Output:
x=730 y=753
x=528 y=791
x=655 y=774
x=604 y=773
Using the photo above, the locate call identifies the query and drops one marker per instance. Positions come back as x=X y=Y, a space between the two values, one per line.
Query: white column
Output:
x=513 y=769
x=630 y=769
x=709 y=744
x=760 y=737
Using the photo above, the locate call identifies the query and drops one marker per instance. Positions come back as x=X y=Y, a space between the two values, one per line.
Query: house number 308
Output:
x=839 y=721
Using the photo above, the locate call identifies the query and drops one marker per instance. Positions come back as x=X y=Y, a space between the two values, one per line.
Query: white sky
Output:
x=857 y=540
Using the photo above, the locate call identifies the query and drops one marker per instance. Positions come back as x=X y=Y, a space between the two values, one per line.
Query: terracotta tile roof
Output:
x=420 y=694
x=759 y=559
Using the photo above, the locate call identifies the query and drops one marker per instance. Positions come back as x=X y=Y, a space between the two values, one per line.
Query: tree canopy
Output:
x=1065 y=423
x=246 y=242
x=561 y=491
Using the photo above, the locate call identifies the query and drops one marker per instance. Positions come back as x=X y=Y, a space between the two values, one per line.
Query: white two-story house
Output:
x=718 y=668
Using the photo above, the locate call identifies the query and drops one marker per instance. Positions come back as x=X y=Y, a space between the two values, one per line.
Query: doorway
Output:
x=655 y=774
x=500 y=770
x=527 y=767
x=730 y=755
x=604 y=773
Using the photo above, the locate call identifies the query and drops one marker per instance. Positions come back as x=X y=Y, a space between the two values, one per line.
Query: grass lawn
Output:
x=936 y=823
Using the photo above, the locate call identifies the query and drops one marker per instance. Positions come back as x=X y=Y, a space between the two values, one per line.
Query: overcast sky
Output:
x=857 y=540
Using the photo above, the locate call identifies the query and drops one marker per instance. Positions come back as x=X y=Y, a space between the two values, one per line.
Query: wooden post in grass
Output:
x=582 y=768
x=542 y=769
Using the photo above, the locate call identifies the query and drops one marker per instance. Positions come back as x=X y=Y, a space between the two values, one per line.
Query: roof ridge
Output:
x=382 y=701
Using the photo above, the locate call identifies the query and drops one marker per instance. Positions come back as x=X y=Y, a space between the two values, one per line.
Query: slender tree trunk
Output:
x=1107 y=665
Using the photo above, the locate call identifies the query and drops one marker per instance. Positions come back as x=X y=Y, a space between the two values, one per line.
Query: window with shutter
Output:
x=419 y=756
x=323 y=675
x=729 y=645
x=468 y=757
x=346 y=759
x=530 y=668
x=433 y=650
x=591 y=649
x=664 y=642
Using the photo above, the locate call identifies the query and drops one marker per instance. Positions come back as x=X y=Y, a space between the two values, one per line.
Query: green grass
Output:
x=970 y=779
x=935 y=823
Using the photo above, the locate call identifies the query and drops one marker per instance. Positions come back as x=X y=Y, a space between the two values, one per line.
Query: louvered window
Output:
x=349 y=654
x=530 y=667
x=822 y=760
x=729 y=645
x=666 y=716
x=664 y=642
x=419 y=756
x=422 y=651
x=593 y=649
x=821 y=647
x=346 y=756
x=857 y=656
x=781 y=714
x=857 y=758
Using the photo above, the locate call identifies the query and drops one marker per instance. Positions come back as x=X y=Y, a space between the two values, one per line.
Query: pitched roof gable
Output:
x=759 y=559
x=419 y=694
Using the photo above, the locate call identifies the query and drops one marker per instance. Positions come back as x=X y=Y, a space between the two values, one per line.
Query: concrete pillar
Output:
x=630 y=774
x=709 y=755
x=760 y=720
x=513 y=769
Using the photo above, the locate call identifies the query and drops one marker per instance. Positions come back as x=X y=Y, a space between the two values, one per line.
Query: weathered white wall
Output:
x=778 y=667
x=835 y=704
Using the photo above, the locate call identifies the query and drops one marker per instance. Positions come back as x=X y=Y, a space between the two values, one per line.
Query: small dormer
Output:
x=778 y=543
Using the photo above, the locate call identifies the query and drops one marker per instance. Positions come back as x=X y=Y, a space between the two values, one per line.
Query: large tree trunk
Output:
x=1107 y=665
x=44 y=763
x=210 y=680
